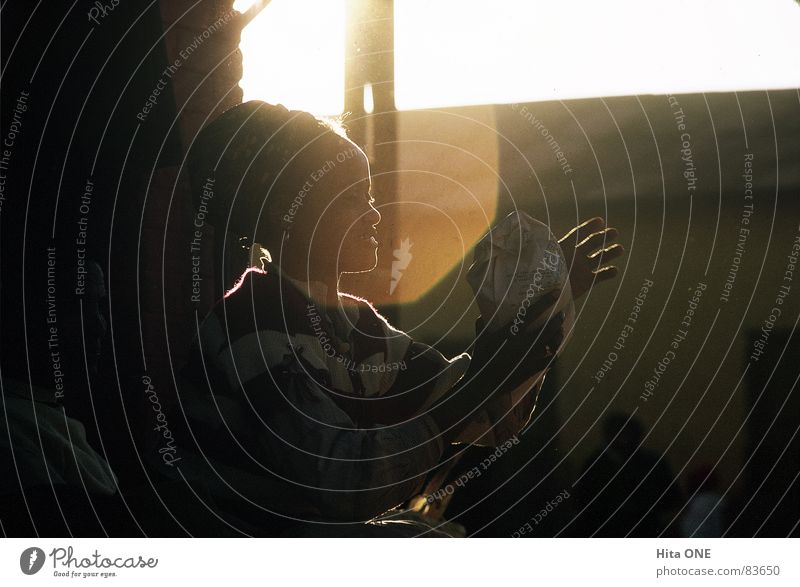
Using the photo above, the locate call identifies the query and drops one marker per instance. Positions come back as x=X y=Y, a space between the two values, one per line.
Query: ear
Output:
x=259 y=256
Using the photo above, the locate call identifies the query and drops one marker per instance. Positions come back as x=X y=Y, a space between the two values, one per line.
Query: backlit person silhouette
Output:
x=314 y=406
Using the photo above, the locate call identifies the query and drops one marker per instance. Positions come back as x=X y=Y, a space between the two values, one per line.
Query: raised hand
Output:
x=588 y=248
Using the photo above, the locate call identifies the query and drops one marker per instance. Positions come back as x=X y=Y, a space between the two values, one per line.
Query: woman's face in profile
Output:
x=339 y=220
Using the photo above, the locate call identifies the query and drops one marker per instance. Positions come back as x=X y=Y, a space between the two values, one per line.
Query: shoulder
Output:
x=259 y=301
x=375 y=331
x=368 y=317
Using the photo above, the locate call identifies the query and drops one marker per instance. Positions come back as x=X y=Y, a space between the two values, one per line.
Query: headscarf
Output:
x=254 y=157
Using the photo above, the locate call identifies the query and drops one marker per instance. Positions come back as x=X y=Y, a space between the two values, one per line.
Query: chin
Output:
x=363 y=261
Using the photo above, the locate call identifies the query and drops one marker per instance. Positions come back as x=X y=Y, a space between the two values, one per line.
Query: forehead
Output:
x=345 y=162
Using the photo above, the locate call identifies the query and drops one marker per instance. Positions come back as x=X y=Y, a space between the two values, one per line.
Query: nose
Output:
x=374 y=216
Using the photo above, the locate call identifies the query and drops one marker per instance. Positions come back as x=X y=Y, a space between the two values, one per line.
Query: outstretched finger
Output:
x=583 y=230
x=606 y=255
x=605 y=273
x=598 y=239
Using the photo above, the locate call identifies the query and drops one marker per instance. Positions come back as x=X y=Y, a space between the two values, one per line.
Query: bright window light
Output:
x=458 y=52
x=293 y=54
x=369 y=99
x=243 y=5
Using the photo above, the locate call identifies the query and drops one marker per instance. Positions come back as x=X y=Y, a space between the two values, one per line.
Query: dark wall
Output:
x=77 y=174
x=626 y=164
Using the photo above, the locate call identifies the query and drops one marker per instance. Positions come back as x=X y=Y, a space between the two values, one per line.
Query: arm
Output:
x=503 y=365
x=506 y=365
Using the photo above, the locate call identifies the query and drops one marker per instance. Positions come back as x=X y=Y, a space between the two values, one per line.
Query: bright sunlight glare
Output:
x=293 y=54
x=459 y=52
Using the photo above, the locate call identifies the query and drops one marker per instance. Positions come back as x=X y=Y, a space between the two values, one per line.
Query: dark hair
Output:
x=252 y=156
